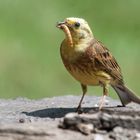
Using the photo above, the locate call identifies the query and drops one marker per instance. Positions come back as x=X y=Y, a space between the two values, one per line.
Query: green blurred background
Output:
x=30 y=63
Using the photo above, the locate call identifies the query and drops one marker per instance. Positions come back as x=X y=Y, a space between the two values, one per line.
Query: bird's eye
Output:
x=77 y=24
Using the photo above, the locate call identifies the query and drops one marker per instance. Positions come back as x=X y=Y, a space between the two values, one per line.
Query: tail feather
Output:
x=126 y=95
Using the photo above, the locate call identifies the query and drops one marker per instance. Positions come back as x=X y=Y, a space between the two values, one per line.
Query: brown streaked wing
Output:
x=104 y=61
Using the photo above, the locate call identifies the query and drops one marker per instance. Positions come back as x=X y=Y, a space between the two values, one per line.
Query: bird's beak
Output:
x=59 y=24
x=63 y=26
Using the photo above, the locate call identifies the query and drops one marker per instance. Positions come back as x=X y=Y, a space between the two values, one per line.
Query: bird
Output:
x=90 y=62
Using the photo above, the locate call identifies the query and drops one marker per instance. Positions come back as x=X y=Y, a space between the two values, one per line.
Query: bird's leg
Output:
x=105 y=93
x=84 y=89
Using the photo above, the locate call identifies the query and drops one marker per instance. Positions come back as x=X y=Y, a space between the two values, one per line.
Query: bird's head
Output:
x=76 y=28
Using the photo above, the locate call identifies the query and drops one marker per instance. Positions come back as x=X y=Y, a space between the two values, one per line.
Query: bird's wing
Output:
x=104 y=61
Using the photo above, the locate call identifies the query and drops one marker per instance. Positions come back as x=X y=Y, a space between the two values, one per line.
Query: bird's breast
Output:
x=82 y=67
x=83 y=75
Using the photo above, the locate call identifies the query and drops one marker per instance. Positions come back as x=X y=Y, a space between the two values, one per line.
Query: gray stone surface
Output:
x=22 y=118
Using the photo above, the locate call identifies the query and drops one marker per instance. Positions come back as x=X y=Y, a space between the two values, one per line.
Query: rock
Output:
x=85 y=128
x=23 y=118
x=71 y=121
x=98 y=137
x=103 y=120
x=118 y=129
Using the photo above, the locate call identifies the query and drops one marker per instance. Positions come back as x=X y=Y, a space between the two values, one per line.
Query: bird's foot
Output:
x=103 y=101
x=79 y=110
x=121 y=105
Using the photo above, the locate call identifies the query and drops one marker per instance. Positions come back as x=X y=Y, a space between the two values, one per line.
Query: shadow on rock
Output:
x=61 y=112
x=50 y=112
x=57 y=112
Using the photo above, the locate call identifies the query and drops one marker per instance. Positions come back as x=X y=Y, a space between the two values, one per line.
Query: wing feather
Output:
x=104 y=60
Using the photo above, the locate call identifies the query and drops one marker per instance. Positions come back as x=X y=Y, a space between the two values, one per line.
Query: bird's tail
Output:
x=126 y=95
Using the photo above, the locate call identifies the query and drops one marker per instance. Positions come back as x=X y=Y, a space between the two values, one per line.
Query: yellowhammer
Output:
x=90 y=62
